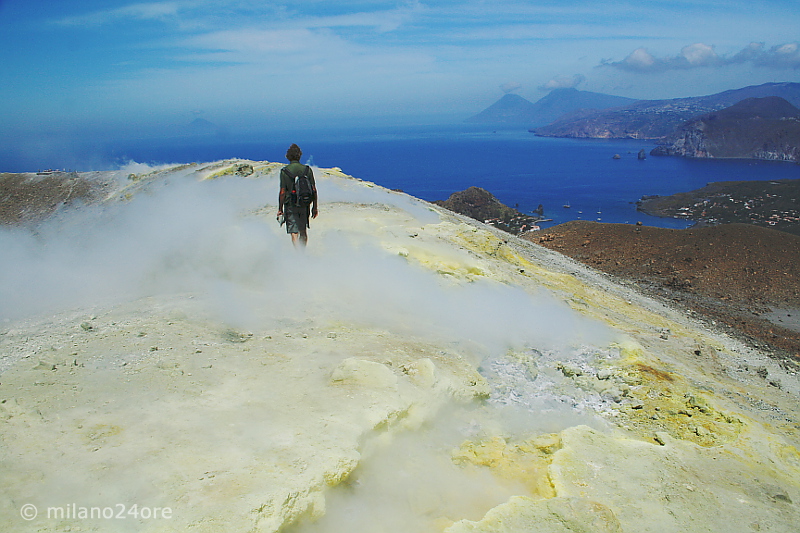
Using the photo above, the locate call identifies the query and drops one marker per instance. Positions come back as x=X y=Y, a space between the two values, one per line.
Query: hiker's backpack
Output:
x=303 y=192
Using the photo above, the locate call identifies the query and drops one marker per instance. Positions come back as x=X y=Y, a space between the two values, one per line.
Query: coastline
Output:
x=771 y=204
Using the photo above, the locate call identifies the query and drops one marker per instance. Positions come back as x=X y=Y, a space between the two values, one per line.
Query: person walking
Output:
x=298 y=196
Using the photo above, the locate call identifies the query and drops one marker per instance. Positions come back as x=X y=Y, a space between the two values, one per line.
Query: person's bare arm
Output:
x=314 y=211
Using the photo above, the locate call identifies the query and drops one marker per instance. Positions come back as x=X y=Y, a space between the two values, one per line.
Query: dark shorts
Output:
x=296 y=219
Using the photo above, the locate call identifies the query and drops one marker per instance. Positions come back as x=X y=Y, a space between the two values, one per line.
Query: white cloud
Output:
x=206 y=15
x=564 y=82
x=253 y=44
x=357 y=57
x=383 y=21
x=142 y=11
x=640 y=59
x=781 y=56
x=700 y=55
x=510 y=87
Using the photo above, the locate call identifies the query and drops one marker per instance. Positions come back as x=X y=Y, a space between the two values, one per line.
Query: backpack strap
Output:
x=294 y=177
x=291 y=191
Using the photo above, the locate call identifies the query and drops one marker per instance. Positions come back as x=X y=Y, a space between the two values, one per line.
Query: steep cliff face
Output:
x=755 y=128
x=689 y=142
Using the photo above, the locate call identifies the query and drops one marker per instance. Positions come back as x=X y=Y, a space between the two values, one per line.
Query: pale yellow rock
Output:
x=679 y=486
x=366 y=373
x=525 y=462
x=554 y=515
x=422 y=372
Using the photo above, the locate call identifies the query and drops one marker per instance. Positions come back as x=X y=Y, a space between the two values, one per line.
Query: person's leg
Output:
x=302 y=225
x=293 y=226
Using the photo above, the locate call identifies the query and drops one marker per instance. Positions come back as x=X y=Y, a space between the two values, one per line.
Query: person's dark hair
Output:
x=294 y=153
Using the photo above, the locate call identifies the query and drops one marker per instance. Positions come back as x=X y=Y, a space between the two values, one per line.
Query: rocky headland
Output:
x=482 y=205
x=741 y=276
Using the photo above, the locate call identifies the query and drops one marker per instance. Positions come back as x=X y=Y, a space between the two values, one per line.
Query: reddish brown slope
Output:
x=733 y=273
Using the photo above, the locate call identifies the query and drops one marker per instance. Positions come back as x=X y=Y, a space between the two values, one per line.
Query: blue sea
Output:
x=520 y=169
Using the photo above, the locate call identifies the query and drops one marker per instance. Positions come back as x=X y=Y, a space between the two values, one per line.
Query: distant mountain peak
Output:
x=201 y=126
x=768 y=107
x=514 y=109
x=511 y=108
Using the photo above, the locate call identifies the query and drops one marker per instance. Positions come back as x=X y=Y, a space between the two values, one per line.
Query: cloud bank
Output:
x=160 y=11
x=700 y=55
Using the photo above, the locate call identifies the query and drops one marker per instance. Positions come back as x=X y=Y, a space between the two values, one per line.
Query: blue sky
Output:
x=105 y=63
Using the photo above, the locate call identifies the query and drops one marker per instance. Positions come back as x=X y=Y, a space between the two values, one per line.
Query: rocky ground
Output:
x=31 y=197
x=740 y=277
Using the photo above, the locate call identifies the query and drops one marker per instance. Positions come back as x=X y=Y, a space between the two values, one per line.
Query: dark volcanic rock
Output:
x=480 y=204
x=755 y=128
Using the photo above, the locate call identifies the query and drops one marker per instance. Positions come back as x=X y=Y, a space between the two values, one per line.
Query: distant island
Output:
x=755 y=128
x=756 y=122
x=658 y=119
x=514 y=109
x=770 y=204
